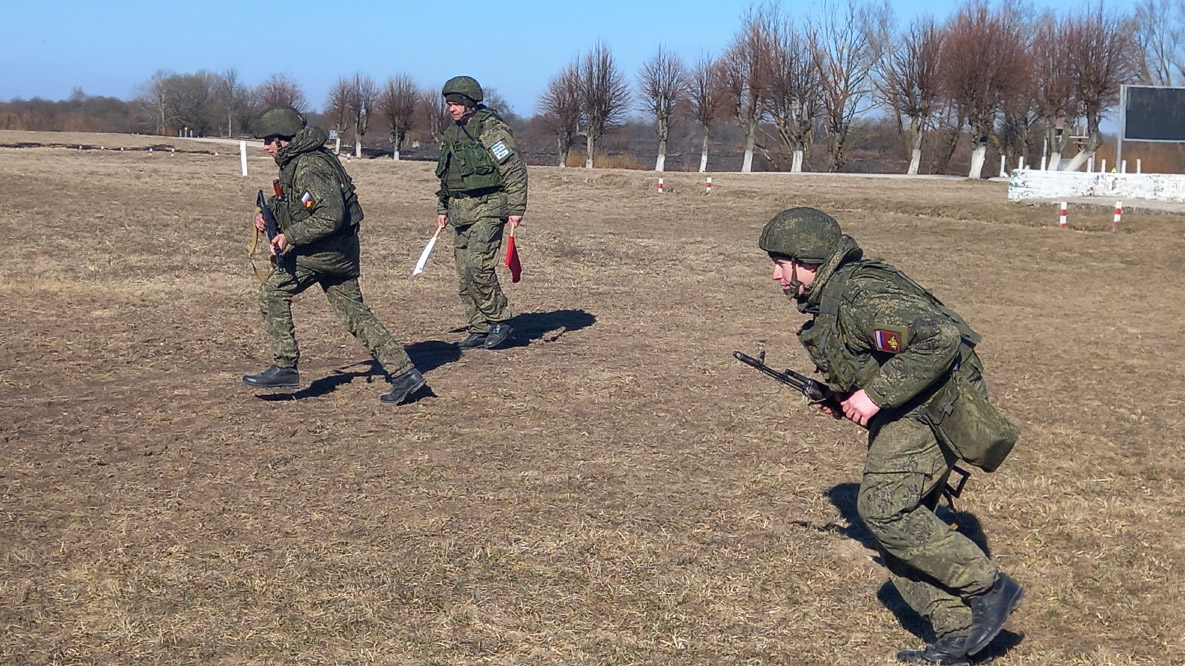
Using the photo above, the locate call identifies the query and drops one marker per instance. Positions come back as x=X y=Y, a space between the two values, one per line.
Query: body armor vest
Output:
x=465 y=163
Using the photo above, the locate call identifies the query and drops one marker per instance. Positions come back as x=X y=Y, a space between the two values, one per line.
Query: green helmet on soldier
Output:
x=464 y=86
x=806 y=235
x=277 y=120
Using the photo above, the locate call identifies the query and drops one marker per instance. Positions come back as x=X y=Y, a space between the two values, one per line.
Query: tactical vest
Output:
x=465 y=164
x=956 y=407
x=292 y=211
x=845 y=370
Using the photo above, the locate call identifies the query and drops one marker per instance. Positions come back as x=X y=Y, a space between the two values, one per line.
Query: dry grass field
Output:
x=613 y=488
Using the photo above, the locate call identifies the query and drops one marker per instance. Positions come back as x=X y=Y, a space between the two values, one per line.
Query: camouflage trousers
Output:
x=933 y=566
x=345 y=299
x=475 y=251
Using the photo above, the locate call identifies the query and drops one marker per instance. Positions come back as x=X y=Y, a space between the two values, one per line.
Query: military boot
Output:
x=946 y=650
x=474 y=340
x=403 y=387
x=497 y=336
x=274 y=377
x=990 y=610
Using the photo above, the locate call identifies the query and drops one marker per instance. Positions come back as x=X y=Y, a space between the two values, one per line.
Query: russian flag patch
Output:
x=307 y=200
x=888 y=341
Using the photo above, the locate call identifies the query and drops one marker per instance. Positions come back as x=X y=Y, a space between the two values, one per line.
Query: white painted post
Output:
x=1139 y=167
x=1003 y=173
x=708 y=185
x=1104 y=167
x=660 y=190
x=1123 y=166
x=1061 y=217
x=243 y=156
x=1090 y=165
x=1118 y=214
x=1021 y=163
x=1044 y=165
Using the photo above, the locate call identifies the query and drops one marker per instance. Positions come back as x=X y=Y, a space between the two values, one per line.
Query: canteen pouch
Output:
x=966 y=423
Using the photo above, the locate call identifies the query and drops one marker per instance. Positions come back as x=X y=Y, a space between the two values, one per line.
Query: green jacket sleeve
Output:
x=318 y=193
x=511 y=167
x=931 y=340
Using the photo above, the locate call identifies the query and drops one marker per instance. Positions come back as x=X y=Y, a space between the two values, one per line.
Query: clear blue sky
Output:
x=515 y=47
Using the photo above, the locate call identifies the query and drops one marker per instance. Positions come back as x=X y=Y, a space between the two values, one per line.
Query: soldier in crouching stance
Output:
x=905 y=367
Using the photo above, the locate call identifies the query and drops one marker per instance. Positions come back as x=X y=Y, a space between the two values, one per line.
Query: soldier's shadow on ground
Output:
x=427 y=356
x=844 y=496
x=545 y=326
x=431 y=354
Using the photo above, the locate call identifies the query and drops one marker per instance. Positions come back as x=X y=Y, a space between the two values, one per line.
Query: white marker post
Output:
x=708 y=185
x=1061 y=219
x=243 y=156
x=1002 y=172
x=660 y=190
x=1118 y=214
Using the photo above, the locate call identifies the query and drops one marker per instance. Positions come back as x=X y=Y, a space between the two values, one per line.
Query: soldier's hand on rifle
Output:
x=859 y=408
x=831 y=409
x=279 y=244
x=259 y=222
x=442 y=221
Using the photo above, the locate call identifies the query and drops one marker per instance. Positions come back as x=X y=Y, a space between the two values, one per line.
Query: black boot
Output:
x=403 y=387
x=947 y=650
x=474 y=340
x=990 y=610
x=497 y=336
x=274 y=377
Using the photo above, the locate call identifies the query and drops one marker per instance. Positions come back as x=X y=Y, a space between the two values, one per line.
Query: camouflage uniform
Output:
x=482 y=181
x=318 y=213
x=873 y=328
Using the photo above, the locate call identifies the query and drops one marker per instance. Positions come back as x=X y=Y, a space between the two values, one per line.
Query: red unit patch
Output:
x=887 y=341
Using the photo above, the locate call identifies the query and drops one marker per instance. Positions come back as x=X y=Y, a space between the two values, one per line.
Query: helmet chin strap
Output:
x=794 y=283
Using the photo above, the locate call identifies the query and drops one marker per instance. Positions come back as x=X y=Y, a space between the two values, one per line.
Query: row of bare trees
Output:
x=989 y=73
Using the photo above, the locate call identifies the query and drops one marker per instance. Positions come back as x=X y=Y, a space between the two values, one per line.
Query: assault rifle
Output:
x=819 y=394
x=285 y=261
x=815 y=391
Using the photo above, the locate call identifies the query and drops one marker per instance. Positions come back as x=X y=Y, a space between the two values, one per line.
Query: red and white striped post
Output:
x=1061 y=221
x=708 y=185
x=660 y=190
x=1118 y=214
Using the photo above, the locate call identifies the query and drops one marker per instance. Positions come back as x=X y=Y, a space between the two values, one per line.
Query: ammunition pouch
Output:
x=965 y=421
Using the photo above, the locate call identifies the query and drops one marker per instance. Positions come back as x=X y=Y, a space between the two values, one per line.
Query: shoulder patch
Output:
x=500 y=151
x=307 y=201
x=890 y=339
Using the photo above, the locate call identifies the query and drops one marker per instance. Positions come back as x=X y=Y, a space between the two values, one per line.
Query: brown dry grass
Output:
x=616 y=489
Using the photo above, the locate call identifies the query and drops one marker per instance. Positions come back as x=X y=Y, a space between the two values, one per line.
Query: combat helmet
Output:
x=277 y=120
x=465 y=86
x=807 y=235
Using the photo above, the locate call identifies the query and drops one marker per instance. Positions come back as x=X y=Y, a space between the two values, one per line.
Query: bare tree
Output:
x=436 y=112
x=743 y=68
x=604 y=96
x=1105 y=54
x=845 y=52
x=363 y=92
x=338 y=110
x=908 y=82
x=792 y=89
x=662 y=83
x=155 y=99
x=282 y=89
x=1160 y=29
x=397 y=106
x=560 y=106
x=706 y=99
x=981 y=61
x=1053 y=88
x=233 y=99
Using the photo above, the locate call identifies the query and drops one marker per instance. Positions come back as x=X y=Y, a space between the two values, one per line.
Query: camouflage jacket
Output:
x=875 y=328
x=317 y=209
x=484 y=143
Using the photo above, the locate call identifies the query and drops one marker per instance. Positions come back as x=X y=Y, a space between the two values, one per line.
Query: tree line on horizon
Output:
x=787 y=90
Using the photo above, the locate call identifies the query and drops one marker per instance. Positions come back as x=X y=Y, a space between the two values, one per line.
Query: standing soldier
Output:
x=483 y=185
x=904 y=366
x=318 y=215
